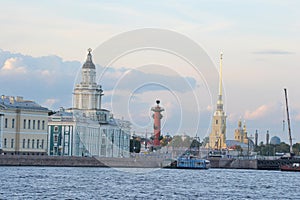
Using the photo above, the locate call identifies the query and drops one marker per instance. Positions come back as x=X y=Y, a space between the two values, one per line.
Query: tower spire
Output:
x=220 y=75
x=220 y=101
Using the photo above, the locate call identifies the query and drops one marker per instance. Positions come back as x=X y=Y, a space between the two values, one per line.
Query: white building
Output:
x=23 y=126
x=87 y=129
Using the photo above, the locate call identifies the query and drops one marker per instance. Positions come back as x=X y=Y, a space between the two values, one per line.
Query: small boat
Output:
x=295 y=167
x=191 y=162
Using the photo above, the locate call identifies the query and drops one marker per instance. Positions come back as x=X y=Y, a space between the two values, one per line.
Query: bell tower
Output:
x=217 y=137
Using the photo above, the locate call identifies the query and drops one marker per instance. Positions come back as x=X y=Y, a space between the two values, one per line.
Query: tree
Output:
x=296 y=149
x=205 y=141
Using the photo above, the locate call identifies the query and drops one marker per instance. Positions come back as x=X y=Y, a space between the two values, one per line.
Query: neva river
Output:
x=108 y=183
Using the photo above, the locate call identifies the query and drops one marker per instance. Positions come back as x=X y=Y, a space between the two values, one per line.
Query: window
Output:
x=32 y=144
x=12 y=143
x=42 y=145
x=13 y=123
x=43 y=125
x=33 y=124
x=28 y=143
x=5 y=123
x=24 y=124
x=24 y=141
x=39 y=125
x=5 y=142
x=37 y=144
x=55 y=128
x=29 y=122
x=55 y=138
x=217 y=121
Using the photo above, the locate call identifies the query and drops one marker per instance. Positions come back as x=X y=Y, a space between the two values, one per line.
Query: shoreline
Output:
x=135 y=162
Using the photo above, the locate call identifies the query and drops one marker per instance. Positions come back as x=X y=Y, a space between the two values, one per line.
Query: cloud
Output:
x=50 y=102
x=273 y=52
x=260 y=112
x=13 y=66
x=46 y=79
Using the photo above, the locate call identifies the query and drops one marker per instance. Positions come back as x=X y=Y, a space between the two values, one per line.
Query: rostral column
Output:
x=157 y=123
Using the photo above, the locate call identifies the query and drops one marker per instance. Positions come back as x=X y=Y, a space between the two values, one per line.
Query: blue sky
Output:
x=44 y=44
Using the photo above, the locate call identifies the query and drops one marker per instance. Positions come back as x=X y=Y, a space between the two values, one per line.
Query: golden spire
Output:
x=220 y=101
x=220 y=75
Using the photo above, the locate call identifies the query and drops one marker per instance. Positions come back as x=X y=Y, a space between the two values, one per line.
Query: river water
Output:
x=109 y=183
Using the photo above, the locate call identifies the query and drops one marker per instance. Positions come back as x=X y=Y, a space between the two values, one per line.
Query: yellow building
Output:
x=217 y=137
x=240 y=134
x=23 y=127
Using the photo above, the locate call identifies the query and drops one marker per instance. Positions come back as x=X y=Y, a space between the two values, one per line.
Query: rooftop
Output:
x=19 y=102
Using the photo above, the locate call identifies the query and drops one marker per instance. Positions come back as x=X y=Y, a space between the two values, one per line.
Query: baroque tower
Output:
x=217 y=137
x=87 y=94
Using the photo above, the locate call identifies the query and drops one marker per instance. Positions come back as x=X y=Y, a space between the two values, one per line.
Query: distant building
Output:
x=23 y=127
x=217 y=137
x=275 y=140
x=240 y=134
x=87 y=129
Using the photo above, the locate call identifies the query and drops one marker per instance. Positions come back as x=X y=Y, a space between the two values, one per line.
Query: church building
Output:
x=240 y=134
x=217 y=137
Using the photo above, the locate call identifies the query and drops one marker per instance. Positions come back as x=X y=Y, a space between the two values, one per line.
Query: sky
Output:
x=44 y=44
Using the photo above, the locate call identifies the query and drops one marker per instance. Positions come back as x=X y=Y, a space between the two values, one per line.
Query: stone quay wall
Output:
x=72 y=161
x=231 y=163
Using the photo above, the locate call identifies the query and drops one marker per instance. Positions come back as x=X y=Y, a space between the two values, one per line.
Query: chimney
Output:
x=267 y=138
x=256 y=137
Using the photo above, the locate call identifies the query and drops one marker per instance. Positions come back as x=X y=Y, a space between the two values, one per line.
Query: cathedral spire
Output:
x=220 y=101
x=220 y=75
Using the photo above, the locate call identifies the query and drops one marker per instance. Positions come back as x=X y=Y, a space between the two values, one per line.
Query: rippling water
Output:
x=108 y=183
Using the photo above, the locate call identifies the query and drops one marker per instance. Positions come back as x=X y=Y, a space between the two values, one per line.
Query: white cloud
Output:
x=259 y=112
x=13 y=66
x=50 y=102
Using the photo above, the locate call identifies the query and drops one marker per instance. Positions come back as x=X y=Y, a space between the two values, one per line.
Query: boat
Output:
x=192 y=162
x=295 y=167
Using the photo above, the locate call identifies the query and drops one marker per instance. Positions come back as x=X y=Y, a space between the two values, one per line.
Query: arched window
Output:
x=32 y=145
x=24 y=124
x=5 y=125
x=23 y=145
x=13 y=123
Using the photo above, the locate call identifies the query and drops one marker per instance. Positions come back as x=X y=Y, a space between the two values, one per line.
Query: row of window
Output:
x=28 y=123
x=29 y=144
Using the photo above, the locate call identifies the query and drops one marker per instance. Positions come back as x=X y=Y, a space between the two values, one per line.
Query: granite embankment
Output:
x=136 y=162
x=230 y=163
x=72 y=161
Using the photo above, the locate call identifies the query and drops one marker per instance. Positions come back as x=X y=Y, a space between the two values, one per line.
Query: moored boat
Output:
x=191 y=162
x=295 y=167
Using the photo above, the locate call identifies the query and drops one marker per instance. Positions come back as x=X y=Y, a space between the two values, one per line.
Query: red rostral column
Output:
x=157 y=117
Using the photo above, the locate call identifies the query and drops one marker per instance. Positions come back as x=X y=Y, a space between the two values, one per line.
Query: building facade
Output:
x=23 y=127
x=86 y=129
x=240 y=134
x=217 y=137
